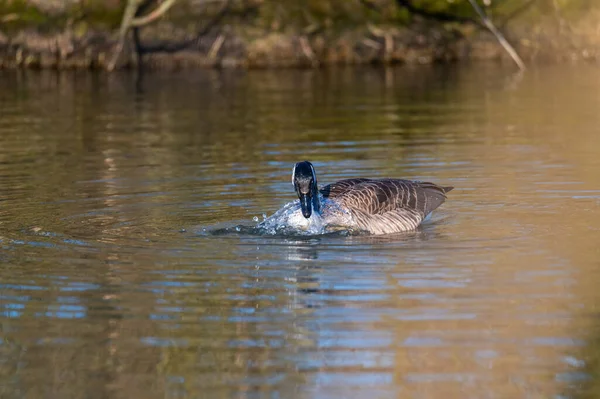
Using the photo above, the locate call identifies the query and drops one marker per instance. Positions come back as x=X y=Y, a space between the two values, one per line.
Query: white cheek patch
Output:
x=293 y=173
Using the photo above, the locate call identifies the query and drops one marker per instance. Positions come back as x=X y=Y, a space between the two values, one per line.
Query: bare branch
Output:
x=128 y=16
x=488 y=24
x=216 y=46
x=154 y=15
x=131 y=20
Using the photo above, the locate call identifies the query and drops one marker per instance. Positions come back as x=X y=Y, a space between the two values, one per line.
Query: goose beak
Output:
x=306 y=205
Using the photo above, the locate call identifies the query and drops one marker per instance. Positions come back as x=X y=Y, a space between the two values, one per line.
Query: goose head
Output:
x=304 y=179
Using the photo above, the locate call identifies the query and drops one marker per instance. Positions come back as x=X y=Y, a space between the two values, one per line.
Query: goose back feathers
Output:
x=383 y=206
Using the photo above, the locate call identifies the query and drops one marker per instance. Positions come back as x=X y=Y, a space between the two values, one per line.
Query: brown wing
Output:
x=376 y=197
x=394 y=221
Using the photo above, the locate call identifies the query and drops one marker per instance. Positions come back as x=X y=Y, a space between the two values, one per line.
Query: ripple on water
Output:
x=102 y=285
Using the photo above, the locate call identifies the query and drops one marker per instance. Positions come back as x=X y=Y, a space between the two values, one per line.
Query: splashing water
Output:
x=289 y=220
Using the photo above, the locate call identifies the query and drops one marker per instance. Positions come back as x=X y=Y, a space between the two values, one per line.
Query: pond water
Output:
x=113 y=283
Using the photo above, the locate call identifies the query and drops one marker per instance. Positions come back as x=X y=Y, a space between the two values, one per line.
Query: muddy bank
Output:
x=57 y=34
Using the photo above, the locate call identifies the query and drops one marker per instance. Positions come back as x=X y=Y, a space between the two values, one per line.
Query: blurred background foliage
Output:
x=298 y=32
x=293 y=15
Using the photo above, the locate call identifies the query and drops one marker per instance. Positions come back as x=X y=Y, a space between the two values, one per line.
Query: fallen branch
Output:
x=128 y=15
x=154 y=15
x=137 y=42
x=488 y=24
x=214 y=49
x=131 y=21
x=388 y=41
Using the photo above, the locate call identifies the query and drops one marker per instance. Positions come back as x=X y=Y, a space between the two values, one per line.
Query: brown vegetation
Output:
x=275 y=33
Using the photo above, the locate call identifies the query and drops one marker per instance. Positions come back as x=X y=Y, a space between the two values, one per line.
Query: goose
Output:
x=376 y=206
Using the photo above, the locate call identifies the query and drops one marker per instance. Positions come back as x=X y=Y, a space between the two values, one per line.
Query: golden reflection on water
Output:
x=102 y=295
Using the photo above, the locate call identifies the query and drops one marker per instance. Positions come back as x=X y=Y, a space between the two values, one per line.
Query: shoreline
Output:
x=175 y=43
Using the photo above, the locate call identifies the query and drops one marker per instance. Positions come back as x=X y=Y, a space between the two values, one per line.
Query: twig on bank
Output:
x=388 y=41
x=308 y=51
x=214 y=49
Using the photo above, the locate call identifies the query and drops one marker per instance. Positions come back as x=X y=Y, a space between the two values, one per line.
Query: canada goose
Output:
x=378 y=206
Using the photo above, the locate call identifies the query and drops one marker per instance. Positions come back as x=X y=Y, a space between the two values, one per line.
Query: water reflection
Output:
x=107 y=289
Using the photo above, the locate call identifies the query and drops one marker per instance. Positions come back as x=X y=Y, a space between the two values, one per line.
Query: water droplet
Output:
x=237 y=228
x=255 y=218
x=264 y=215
